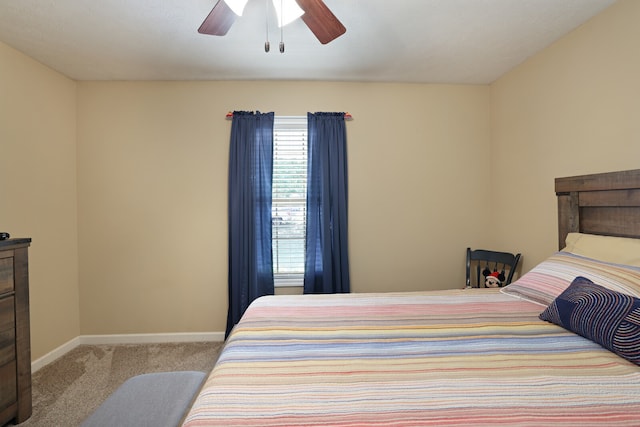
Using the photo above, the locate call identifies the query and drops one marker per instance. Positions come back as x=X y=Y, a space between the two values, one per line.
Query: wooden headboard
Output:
x=605 y=203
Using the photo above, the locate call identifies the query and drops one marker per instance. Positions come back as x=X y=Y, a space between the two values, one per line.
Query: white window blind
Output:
x=289 y=204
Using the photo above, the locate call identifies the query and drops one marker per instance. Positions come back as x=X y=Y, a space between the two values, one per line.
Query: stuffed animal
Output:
x=493 y=279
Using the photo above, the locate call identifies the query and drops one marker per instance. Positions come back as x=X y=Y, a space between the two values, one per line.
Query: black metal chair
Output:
x=500 y=266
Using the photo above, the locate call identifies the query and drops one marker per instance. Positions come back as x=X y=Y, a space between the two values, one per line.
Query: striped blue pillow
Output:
x=607 y=317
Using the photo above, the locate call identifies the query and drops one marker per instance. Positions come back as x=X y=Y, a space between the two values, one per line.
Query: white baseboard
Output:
x=54 y=354
x=125 y=339
x=151 y=338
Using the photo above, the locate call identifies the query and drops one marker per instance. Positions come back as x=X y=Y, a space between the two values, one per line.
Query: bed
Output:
x=480 y=357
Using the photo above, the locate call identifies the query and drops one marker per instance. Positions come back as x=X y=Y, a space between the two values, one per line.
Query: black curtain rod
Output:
x=347 y=116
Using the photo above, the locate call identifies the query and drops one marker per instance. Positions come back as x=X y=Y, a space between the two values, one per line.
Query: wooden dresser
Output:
x=15 y=346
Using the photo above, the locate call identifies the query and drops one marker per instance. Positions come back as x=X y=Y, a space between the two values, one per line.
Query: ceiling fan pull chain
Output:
x=267 y=45
x=281 y=27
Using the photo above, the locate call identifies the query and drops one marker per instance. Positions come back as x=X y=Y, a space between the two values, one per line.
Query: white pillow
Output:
x=618 y=250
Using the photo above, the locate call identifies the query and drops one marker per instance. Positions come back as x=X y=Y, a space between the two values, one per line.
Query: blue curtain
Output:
x=327 y=257
x=250 y=179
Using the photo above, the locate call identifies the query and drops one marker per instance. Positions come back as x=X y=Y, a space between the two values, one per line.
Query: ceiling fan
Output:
x=315 y=14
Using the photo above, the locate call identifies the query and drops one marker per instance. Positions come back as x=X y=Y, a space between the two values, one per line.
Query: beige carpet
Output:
x=67 y=390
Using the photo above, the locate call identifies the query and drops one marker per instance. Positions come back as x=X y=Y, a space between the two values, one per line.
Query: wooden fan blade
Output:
x=321 y=21
x=219 y=20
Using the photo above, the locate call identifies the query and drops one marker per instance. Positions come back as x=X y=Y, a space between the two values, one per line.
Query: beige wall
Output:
x=152 y=191
x=572 y=109
x=38 y=190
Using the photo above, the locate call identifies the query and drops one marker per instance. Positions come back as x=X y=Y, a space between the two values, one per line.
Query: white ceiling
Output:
x=432 y=41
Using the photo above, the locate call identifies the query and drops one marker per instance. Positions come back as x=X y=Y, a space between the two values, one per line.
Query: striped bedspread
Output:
x=445 y=358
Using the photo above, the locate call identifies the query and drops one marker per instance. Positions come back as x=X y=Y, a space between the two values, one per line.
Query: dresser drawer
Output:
x=7 y=313
x=7 y=330
x=7 y=347
x=8 y=385
x=6 y=272
x=8 y=375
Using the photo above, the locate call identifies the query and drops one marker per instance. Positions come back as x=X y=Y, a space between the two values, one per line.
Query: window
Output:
x=288 y=211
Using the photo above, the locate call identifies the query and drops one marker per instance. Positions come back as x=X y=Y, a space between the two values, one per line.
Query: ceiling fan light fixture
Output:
x=237 y=6
x=287 y=11
x=314 y=13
